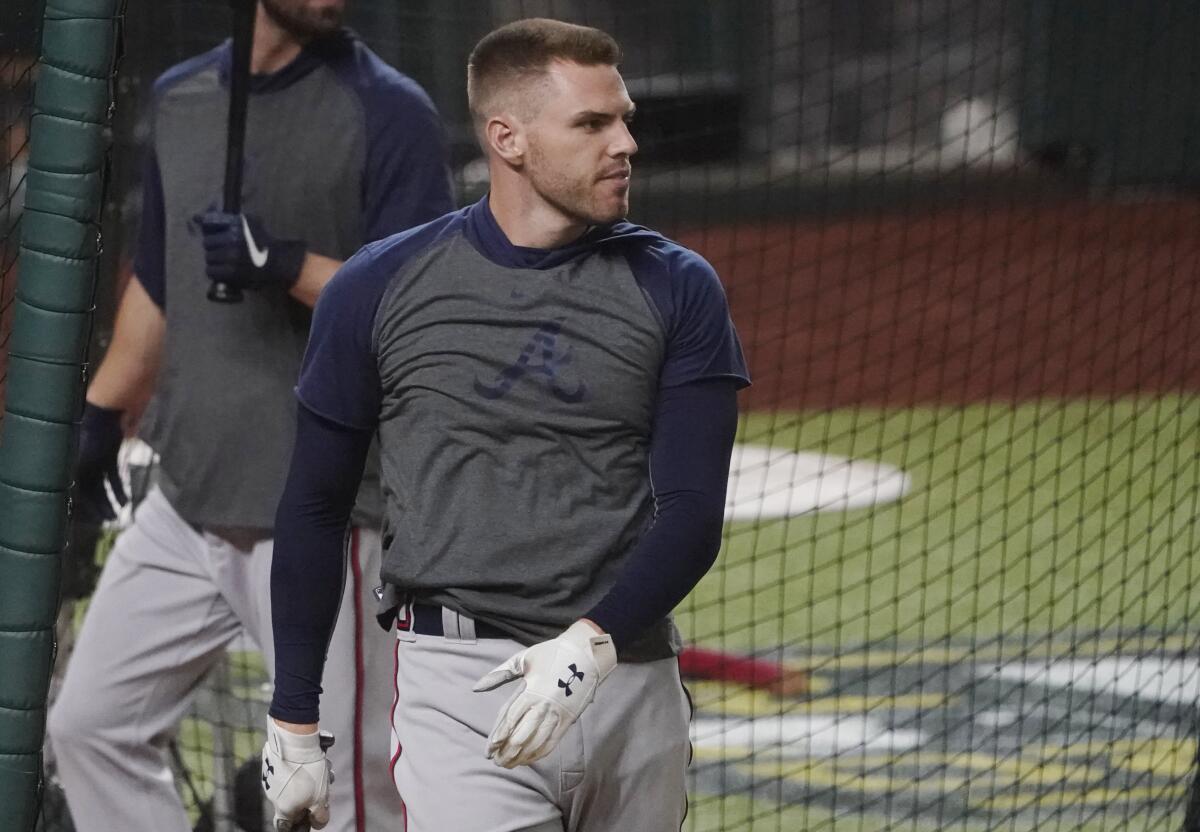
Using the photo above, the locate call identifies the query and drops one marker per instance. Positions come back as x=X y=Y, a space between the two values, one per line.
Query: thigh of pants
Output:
x=620 y=768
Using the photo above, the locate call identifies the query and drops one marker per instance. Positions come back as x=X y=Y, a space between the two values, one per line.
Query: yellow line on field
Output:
x=714 y=699
x=1089 y=797
x=822 y=773
x=1160 y=756
x=898 y=657
x=1023 y=771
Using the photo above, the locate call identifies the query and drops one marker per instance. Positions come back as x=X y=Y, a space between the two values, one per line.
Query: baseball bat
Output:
x=235 y=137
x=326 y=740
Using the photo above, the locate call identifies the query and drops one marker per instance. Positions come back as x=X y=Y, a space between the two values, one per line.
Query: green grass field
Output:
x=1044 y=517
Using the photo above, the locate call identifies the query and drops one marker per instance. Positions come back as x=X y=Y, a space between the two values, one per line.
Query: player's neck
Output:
x=528 y=220
x=274 y=47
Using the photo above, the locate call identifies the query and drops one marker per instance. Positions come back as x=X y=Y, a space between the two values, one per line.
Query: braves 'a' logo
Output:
x=540 y=356
x=574 y=675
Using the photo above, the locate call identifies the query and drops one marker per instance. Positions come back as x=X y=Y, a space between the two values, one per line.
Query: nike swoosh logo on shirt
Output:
x=258 y=256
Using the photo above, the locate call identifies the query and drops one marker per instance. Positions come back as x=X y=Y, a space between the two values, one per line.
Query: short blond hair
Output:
x=521 y=52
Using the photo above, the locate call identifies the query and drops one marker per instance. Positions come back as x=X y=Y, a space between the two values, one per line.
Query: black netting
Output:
x=20 y=22
x=959 y=239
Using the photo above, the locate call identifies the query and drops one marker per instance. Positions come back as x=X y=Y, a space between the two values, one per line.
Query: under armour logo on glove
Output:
x=301 y=799
x=536 y=717
x=575 y=674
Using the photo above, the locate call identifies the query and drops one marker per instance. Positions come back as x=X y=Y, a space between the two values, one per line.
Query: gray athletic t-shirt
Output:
x=513 y=391
x=340 y=150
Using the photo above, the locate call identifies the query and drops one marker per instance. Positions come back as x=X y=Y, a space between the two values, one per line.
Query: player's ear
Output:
x=506 y=138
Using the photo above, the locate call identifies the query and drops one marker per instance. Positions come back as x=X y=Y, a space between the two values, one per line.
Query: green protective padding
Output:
x=83 y=9
x=54 y=95
x=80 y=45
x=45 y=335
x=64 y=146
x=33 y=521
x=43 y=390
x=67 y=285
x=22 y=770
x=47 y=349
x=25 y=679
x=29 y=581
x=36 y=454
x=59 y=236
x=68 y=194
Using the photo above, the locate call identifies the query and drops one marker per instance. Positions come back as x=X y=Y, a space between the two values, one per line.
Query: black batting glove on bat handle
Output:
x=100 y=437
x=240 y=252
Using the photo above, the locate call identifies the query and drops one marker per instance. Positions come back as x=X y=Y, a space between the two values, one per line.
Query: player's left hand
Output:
x=239 y=251
x=561 y=677
x=296 y=777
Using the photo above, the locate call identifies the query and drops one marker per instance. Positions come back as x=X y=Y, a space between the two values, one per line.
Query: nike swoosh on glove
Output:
x=561 y=677
x=239 y=251
x=295 y=778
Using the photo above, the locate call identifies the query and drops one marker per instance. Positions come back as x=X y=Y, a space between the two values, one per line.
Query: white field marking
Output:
x=978 y=131
x=1168 y=679
x=801 y=735
x=765 y=482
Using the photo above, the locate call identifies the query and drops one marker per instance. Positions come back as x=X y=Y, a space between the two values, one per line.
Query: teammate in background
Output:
x=555 y=392
x=340 y=150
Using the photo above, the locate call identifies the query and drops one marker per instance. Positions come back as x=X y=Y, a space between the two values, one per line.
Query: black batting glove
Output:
x=100 y=437
x=239 y=251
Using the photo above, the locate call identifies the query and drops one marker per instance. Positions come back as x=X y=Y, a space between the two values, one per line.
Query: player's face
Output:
x=580 y=144
x=306 y=18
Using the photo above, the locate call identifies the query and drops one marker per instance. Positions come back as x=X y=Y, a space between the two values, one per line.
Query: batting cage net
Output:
x=960 y=242
x=19 y=24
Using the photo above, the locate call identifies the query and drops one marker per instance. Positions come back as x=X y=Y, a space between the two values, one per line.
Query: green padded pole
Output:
x=60 y=244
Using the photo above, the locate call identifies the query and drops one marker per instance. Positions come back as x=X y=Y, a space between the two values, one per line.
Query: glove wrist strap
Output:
x=102 y=423
x=601 y=647
x=292 y=747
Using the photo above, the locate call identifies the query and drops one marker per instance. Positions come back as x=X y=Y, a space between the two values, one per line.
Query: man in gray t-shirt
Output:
x=555 y=396
x=340 y=150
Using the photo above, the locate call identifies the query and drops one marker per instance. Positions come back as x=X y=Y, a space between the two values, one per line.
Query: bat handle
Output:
x=326 y=740
x=221 y=292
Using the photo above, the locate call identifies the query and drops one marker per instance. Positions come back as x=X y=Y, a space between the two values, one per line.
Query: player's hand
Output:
x=296 y=777
x=239 y=251
x=98 y=492
x=561 y=677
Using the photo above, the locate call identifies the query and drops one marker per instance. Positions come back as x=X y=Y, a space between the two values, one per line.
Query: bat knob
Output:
x=326 y=740
x=219 y=292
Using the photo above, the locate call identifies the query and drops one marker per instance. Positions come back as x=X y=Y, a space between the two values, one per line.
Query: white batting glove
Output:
x=296 y=777
x=561 y=677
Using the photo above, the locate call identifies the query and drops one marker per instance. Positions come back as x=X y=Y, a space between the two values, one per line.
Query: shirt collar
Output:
x=489 y=238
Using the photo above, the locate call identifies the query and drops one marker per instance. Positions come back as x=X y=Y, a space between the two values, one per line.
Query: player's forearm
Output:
x=126 y=376
x=316 y=271
x=307 y=567
x=694 y=429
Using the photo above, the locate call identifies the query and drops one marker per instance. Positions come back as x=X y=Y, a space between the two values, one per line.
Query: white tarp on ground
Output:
x=766 y=483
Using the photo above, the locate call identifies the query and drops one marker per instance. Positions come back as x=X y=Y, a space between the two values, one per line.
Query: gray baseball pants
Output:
x=169 y=601
x=620 y=768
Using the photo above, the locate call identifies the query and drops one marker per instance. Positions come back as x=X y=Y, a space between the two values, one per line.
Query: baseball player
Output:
x=340 y=150
x=554 y=391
